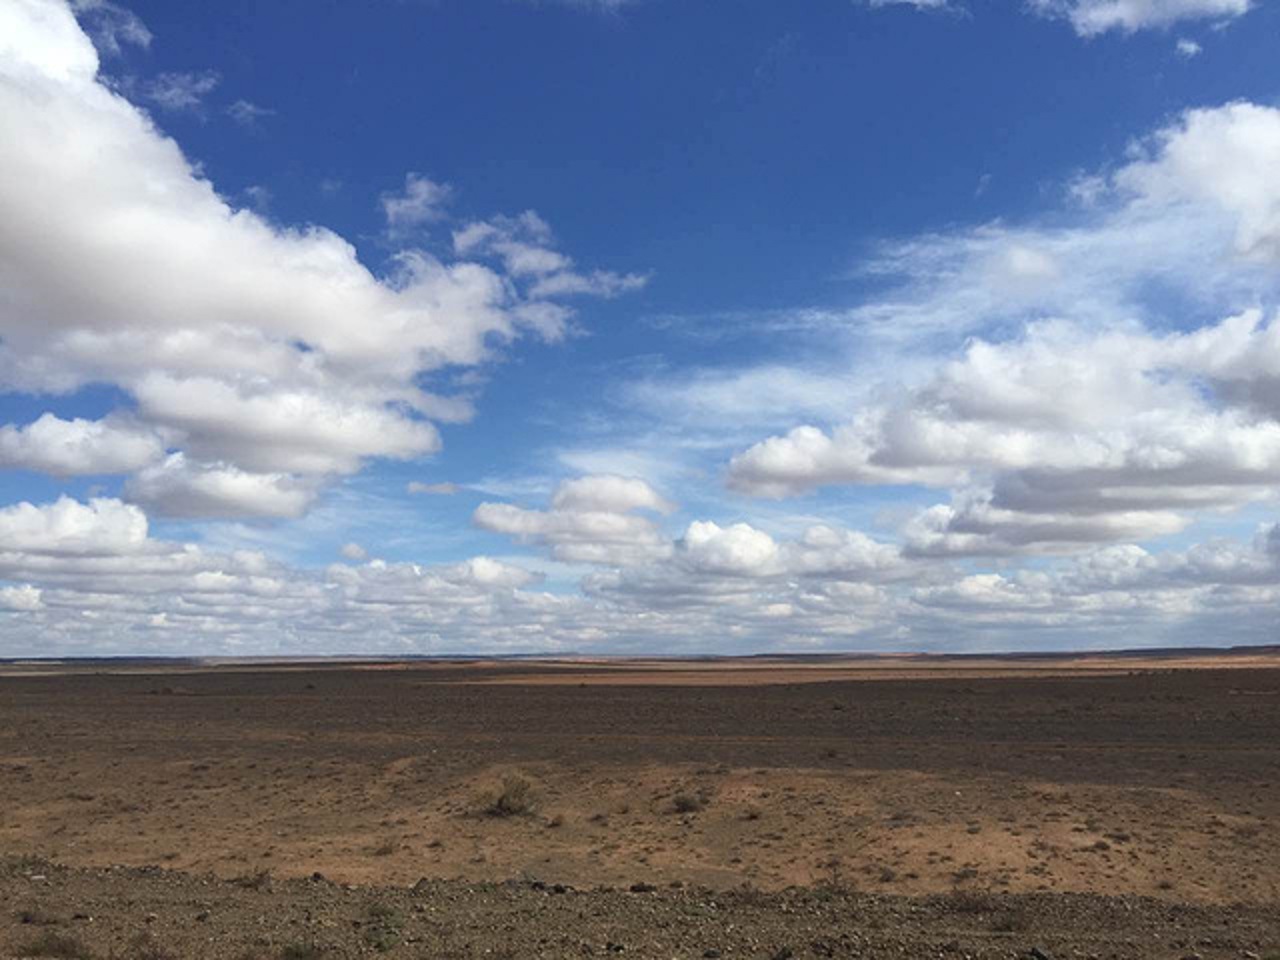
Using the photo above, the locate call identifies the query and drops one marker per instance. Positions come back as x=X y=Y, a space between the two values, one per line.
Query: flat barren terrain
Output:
x=939 y=799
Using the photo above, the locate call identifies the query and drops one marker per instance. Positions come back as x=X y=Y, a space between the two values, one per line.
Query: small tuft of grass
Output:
x=301 y=951
x=687 y=803
x=254 y=881
x=384 y=931
x=969 y=901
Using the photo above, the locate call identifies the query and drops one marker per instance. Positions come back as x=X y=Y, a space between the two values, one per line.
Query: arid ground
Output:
x=995 y=793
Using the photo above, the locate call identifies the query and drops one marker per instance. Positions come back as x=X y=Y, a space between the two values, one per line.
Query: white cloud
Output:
x=176 y=92
x=609 y=494
x=300 y=370
x=918 y=4
x=422 y=201
x=737 y=549
x=1141 y=439
x=77 y=447
x=24 y=598
x=68 y=527
x=246 y=113
x=524 y=246
x=178 y=487
x=353 y=551
x=1188 y=48
x=1093 y=17
x=591 y=520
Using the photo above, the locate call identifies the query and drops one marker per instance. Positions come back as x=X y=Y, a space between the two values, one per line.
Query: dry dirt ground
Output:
x=966 y=804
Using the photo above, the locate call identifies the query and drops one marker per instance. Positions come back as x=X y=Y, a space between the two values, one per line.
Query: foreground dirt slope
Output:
x=159 y=915
x=1162 y=783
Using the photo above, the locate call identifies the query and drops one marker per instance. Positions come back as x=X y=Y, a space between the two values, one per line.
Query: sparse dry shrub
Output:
x=254 y=881
x=687 y=803
x=514 y=799
x=968 y=901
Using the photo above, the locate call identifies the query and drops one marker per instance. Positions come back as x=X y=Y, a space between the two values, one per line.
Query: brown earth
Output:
x=1155 y=780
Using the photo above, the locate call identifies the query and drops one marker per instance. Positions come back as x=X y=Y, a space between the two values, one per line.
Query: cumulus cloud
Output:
x=116 y=261
x=101 y=526
x=591 y=520
x=1093 y=17
x=178 y=487
x=1157 y=424
x=1093 y=427
x=78 y=447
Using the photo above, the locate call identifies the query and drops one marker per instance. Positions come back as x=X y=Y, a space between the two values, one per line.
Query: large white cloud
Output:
x=256 y=349
x=1114 y=421
x=1151 y=427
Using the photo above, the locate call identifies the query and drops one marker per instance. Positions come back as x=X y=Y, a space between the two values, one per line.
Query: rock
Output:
x=711 y=952
x=1035 y=953
x=643 y=888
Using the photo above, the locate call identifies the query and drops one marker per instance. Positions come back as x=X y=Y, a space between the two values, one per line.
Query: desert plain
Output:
x=1090 y=806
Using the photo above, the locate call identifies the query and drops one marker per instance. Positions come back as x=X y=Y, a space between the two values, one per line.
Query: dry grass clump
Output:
x=514 y=799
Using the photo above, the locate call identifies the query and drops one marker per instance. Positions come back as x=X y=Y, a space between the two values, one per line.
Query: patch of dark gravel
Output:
x=147 y=913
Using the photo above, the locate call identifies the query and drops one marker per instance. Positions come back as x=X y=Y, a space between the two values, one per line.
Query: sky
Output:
x=638 y=326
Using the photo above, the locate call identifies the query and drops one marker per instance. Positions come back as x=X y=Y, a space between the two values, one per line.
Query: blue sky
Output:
x=545 y=326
